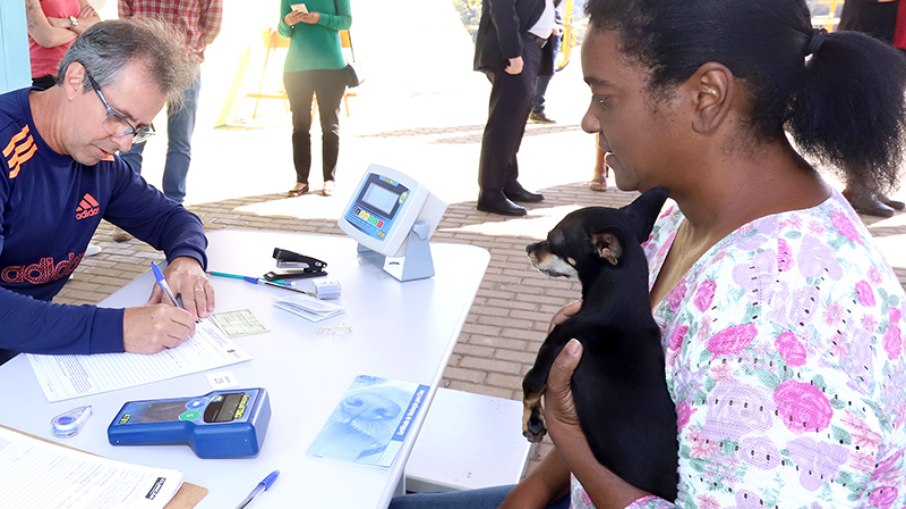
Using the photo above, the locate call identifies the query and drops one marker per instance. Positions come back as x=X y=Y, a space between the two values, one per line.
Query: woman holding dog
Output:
x=782 y=324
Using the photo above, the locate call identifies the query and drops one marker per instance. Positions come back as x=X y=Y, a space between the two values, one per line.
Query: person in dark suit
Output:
x=512 y=49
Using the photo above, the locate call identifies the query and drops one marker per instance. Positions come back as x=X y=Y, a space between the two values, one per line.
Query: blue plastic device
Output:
x=219 y=424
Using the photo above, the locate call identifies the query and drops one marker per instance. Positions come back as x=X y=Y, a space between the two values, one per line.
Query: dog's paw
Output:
x=533 y=427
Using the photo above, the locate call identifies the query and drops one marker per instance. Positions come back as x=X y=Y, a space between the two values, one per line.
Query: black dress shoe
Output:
x=518 y=193
x=868 y=204
x=496 y=202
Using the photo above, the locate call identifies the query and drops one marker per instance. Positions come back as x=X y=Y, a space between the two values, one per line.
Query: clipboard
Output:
x=188 y=496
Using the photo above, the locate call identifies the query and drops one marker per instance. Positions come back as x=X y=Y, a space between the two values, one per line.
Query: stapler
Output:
x=297 y=265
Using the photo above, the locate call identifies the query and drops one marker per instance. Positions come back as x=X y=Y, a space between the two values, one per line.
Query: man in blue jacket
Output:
x=60 y=175
x=512 y=48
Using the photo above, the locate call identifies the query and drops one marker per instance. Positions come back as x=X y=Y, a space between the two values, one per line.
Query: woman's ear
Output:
x=713 y=87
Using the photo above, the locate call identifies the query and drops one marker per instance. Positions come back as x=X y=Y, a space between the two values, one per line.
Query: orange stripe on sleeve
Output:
x=14 y=140
x=22 y=159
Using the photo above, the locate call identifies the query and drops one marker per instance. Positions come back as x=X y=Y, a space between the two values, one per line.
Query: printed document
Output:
x=71 y=376
x=35 y=474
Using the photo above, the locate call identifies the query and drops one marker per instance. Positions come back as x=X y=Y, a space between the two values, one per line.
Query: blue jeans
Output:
x=180 y=125
x=485 y=498
x=541 y=82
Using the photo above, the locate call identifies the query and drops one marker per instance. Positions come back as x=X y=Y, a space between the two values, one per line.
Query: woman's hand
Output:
x=559 y=407
x=293 y=18
x=565 y=313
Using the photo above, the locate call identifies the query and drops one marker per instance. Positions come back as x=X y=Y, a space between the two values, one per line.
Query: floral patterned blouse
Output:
x=785 y=358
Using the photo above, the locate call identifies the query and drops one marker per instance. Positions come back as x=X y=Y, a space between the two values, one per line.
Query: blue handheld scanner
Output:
x=219 y=424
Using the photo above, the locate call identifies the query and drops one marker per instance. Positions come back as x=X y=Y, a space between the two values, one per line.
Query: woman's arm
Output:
x=41 y=30
x=604 y=488
x=546 y=483
x=87 y=17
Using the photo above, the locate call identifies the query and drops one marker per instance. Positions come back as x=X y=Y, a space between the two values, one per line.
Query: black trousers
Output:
x=508 y=111
x=328 y=85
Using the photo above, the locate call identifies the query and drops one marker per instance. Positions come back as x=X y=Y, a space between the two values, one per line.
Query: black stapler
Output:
x=297 y=266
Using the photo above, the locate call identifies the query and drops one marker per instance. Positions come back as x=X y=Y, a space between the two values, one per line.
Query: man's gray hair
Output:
x=105 y=48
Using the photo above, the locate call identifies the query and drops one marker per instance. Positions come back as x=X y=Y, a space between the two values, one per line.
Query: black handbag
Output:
x=352 y=73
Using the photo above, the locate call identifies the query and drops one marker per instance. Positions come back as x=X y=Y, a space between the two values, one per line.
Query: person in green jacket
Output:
x=314 y=66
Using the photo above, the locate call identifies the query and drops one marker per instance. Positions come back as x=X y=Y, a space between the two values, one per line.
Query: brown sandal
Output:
x=299 y=190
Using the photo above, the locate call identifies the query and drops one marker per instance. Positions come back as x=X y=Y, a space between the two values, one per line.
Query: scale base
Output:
x=416 y=262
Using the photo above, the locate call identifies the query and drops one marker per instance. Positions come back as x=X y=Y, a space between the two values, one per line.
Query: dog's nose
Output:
x=529 y=248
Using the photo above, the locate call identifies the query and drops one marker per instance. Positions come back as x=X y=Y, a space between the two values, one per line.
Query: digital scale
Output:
x=392 y=216
x=219 y=424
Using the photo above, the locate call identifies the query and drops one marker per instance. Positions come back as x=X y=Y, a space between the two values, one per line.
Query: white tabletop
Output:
x=403 y=331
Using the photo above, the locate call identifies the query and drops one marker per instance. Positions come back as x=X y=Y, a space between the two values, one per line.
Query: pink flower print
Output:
x=816 y=227
x=843 y=225
x=684 y=412
x=707 y=502
x=883 y=497
x=791 y=350
x=833 y=313
x=816 y=258
x=802 y=406
x=874 y=275
x=732 y=340
x=676 y=339
x=721 y=371
x=784 y=255
x=864 y=294
x=818 y=462
x=869 y=323
x=759 y=452
x=662 y=251
x=675 y=297
x=863 y=436
x=701 y=445
x=704 y=295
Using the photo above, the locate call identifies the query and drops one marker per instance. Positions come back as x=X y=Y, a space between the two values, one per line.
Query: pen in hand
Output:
x=264 y=485
x=159 y=276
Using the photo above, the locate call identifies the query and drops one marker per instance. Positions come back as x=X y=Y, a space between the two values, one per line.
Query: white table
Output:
x=403 y=331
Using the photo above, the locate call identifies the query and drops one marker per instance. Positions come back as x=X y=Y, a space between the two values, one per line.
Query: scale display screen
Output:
x=375 y=209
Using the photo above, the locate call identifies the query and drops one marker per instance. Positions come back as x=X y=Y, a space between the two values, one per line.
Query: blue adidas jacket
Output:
x=50 y=206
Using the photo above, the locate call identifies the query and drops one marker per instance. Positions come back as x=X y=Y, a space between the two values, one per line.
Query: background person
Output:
x=52 y=26
x=782 y=324
x=59 y=176
x=866 y=188
x=198 y=23
x=314 y=67
x=512 y=49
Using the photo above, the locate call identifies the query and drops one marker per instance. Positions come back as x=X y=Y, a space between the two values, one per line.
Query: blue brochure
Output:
x=371 y=422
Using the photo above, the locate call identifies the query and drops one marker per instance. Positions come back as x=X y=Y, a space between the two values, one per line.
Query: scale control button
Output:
x=189 y=415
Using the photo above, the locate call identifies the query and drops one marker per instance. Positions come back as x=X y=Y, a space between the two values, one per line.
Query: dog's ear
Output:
x=608 y=247
x=644 y=211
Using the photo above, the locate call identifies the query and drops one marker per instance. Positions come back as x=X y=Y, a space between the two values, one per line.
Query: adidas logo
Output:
x=88 y=207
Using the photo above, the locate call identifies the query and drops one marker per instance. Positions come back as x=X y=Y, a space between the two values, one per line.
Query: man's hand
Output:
x=187 y=280
x=515 y=66
x=150 y=329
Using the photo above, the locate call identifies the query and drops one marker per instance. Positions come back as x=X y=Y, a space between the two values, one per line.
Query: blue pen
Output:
x=159 y=276
x=262 y=486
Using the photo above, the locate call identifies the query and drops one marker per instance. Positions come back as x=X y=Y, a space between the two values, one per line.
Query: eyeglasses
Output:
x=117 y=124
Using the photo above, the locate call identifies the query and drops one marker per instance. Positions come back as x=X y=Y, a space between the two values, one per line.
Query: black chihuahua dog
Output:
x=619 y=387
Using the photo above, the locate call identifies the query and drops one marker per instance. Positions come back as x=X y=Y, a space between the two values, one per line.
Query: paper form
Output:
x=70 y=376
x=35 y=474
